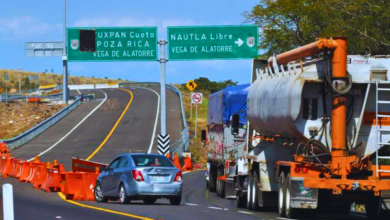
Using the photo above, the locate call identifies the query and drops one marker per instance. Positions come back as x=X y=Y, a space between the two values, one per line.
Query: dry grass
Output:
x=17 y=117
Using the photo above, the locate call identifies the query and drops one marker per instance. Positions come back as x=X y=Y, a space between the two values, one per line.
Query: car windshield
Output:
x=151 y=161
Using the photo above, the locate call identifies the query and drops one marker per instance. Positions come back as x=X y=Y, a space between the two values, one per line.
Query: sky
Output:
x=42 y=20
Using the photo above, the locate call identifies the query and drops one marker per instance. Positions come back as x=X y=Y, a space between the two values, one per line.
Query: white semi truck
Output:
x=317 y=135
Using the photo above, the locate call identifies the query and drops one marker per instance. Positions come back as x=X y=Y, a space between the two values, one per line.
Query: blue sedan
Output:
x=134 y=176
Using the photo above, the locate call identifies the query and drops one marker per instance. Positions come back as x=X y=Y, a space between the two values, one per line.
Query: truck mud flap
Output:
x=302 y=197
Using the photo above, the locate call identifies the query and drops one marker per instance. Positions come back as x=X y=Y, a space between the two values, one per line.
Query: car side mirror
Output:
x=235 y=124
x=203 y=135
x=102 y=169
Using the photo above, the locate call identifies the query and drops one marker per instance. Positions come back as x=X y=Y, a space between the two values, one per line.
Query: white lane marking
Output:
x=78 y=91
x=211 y=207
x=191 y=204
x=155 y=123
x=59 y=141
x=225 y=209
x=186 y=172
x=58 y=217
x=249 y=213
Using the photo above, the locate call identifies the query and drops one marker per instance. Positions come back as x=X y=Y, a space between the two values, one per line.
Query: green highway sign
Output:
x=112 y=44
x=212 y=42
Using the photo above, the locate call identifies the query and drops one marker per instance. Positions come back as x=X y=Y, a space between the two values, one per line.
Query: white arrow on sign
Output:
x=239 y=42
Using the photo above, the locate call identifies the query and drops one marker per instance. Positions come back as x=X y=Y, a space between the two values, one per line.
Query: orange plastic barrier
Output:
x=176 y=162
x=34 y=99
x=187 y=164
x=4 y=148
x=7 y=165
x=27 y=171
x=78 y=185
x=15 y=167
x=41 y=175
x=53 y=179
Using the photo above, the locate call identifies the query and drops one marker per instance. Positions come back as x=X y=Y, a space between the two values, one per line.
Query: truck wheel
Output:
x=221 y=185
x=240 y=200
x=282 y=195
x=211 y=184
x=290 y=212
x=255 y=193
x=249 y=193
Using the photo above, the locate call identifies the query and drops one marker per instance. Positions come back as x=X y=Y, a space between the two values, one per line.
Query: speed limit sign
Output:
x=196 y=98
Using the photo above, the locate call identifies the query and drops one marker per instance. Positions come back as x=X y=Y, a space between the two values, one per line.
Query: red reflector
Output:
x=137 y=175
x=304 y=170
x=297 y=169
x=179 y=177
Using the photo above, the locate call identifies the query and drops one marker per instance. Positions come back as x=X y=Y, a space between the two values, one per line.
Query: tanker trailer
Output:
x=319 y=132
x=227 y=147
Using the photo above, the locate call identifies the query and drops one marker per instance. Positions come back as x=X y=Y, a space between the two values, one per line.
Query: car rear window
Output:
x=151 y=161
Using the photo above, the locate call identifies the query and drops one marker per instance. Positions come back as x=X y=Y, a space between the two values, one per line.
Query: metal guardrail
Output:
x=41 y=127
x=182 y=145
x=3 y=98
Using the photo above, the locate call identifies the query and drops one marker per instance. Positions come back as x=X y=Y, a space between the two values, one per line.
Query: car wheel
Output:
x=124 y=199
x=149 y=201
x=98 y=193
x=175 y=200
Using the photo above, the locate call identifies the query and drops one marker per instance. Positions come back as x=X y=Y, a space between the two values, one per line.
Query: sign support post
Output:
x=64 y=62
x=163 y=138
x=196 y=119
x=163 y=62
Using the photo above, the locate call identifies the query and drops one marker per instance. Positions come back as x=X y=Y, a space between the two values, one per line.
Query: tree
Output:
x=204 y=84
x=288 y=24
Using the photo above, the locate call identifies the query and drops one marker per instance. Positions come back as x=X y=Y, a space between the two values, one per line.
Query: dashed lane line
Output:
x=243 y=212
x=85 y=118
x=212 y=207
x=191 y=204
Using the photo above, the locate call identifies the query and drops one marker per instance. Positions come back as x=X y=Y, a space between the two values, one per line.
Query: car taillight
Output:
x=297 y=169
x=137 y=175
x=178 y=177
x=304 y=170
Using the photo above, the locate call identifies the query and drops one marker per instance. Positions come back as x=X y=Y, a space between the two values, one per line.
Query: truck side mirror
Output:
x=235 y=124
x=203 y=135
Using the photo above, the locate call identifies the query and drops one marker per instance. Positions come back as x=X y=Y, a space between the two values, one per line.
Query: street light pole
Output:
x=64 y=62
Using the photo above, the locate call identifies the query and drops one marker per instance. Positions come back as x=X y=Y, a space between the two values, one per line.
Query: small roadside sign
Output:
x=196 y=98
x=6 y=77
x=191 y=85
x=1 y=89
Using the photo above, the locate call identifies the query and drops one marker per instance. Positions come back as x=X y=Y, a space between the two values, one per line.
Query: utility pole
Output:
x=64 y=62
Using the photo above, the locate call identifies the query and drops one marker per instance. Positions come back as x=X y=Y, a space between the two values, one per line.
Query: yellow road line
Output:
x=102 y=209
x=113 y=128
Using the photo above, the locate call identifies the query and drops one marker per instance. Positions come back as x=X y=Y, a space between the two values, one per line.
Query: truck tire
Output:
x=282 y=195
x=255 y=193
x=290 y=212
x=211 y=184
x=220 y=185
x=240 y=200
x=249 y=192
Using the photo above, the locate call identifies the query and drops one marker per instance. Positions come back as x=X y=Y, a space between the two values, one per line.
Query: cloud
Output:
x=24 y=27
